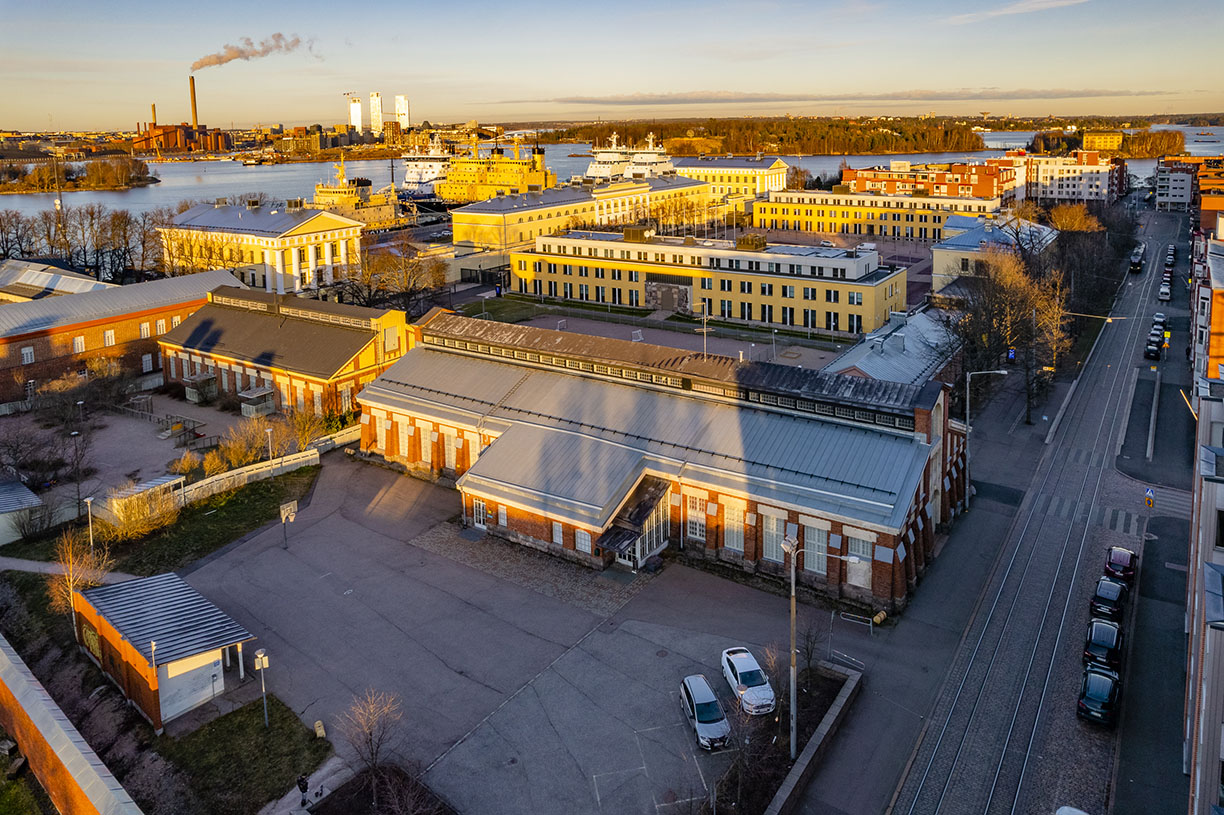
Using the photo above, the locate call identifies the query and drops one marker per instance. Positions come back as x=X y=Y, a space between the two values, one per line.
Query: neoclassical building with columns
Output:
x=277 y=248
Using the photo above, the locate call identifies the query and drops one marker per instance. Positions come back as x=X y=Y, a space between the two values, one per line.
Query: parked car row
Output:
x=1104 y=641
x=749 y=686
x=1156 y=339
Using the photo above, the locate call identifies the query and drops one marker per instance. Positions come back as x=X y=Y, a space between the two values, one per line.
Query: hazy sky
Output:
x=69 y=64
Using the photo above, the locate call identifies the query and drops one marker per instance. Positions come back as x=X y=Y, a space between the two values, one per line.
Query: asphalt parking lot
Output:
x=515 y=700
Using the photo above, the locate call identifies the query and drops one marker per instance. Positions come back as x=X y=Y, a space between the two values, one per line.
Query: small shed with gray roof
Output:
x=161 y=641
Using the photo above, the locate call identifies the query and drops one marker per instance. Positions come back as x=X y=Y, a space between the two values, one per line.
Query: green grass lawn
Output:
x=501 y=309
x=201 y=528
x=236 y=765
x=22 y=795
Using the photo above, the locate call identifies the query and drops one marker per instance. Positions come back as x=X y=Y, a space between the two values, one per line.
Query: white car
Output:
x=1164 y=296
x=748 y=682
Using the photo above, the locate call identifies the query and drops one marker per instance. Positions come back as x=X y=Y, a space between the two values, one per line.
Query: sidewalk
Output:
x=13 y=564
x=331 y=775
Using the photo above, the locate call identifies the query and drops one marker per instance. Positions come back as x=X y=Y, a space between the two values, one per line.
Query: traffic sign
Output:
x=1149 y=493
x=1148 y=502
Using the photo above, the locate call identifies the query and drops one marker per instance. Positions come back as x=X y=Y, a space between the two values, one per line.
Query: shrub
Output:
x=139 y=515
x=187 y=463
x=214 y=463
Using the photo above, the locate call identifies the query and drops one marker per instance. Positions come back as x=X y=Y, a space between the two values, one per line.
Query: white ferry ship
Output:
x=622 y=161
x=425 y=167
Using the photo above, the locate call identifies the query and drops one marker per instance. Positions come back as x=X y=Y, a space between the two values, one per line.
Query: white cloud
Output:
x=1019 y=7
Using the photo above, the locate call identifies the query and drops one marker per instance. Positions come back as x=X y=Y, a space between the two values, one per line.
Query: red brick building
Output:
x=958 y=180
x=602 y=451
x=282 y=352
x=43 y=339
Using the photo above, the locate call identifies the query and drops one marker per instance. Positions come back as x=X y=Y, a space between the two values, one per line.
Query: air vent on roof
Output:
x=221 y=202
x=293 y=205
x=252 y=204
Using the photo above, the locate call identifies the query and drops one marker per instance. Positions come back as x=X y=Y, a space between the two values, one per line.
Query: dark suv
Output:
x=1120 y=564
x=1103 y=644
x=1099 y=696
x=1109 y=600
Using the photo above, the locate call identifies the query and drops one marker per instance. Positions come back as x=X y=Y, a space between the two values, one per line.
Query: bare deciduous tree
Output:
x=81 y=567
x=132 y=517
x=371 y=727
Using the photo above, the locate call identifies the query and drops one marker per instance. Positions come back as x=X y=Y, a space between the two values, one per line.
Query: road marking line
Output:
x=1177 y=567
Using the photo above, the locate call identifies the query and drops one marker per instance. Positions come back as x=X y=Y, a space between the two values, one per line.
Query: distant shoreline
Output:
x=144 y=182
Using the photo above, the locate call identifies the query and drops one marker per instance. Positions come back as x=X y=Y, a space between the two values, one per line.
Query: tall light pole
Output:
x=790 y=545
x=968 y=376
x=268 y=430
x=89 y=509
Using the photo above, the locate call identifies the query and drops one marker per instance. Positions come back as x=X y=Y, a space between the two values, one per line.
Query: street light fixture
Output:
x=968 y=376
x=790 y=545
x=89 y=509
x=268 y=430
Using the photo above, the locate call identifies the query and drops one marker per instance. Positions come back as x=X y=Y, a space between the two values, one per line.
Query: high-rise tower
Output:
x=376 y=121
x=355 y=113
x=403 y=113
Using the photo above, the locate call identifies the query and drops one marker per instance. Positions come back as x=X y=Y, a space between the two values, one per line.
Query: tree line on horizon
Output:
x=788 y=136
x=107 y=174
x=1142 y=144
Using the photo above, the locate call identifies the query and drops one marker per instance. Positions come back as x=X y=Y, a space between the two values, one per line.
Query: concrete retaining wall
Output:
x=76 y=780
x=786 y=799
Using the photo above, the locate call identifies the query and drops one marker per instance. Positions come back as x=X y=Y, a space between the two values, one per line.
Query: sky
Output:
x=74 y=65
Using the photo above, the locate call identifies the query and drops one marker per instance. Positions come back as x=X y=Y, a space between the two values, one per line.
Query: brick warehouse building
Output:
x=605 y=452
x=46 y=338
x=296 y=353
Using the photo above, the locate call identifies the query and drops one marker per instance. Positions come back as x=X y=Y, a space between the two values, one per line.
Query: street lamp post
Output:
x=773 y=340
x=268 y=430
x=89 y=509
x=968 y=376
x=790 y=545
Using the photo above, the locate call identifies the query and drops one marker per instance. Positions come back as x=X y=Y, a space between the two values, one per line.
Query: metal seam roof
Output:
x=166 y=610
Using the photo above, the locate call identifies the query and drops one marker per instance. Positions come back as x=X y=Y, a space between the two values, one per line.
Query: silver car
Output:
x=704 y=713
x=748 y=682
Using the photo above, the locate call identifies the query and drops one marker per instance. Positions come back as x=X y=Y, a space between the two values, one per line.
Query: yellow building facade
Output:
x=477 y=177
x=735 y=175
x=507 y=221
x=912 y=217
x=273 y=247
x=1107 y=140
x=747 y=281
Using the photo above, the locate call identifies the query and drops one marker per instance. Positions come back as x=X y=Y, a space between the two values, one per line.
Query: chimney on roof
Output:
x=252 y=204
x=220 y=202
x=154 y=122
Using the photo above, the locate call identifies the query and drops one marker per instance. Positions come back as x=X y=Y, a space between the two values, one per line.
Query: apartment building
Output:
x=605 y=452
x=735 y=175
x=1174 y=184
x=43 y=339
x=960 y=254
x=274 y=247
x=747 y=280
x=958 y=179
x=281 y=352
x=505 y=221
x=1103 y=140
x=841 y=212
x=1082 y=177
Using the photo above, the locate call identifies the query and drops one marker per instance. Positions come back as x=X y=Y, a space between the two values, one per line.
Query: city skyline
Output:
x=544 y=62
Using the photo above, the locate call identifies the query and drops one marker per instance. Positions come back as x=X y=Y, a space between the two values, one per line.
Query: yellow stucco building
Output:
x=914 y=217
x=1106 y=140
x=506 y=221
x=273 y=247
x=747 y=280
x=735 y=175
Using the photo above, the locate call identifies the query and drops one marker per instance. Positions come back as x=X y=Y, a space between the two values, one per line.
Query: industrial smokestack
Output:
x=154 y=122
x=191 y=82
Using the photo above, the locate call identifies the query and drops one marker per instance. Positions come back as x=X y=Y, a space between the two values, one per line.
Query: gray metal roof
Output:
x=15 y=496
x=17 y=319
x=786 y=379
x=559 y=196
x=726 y=162
x=165 y=610
x=34 y=279
x=998 y=234
x=908 y=349
x=858 y=472
x=268 y=219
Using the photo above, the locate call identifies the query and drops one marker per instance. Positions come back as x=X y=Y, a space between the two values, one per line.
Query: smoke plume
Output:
x=249 y=50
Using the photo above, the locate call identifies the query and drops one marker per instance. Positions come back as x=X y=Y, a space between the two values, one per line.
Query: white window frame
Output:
x=174 y=321
x=146 y=363
x=380 y=432
x=501 y=514
x=480 y=514
x=733 y=528
x=108 y=338
x=27 y=355
x=78 y=344
x=859 y=547
x=144 y=331
x=815 y=550
x=582 y=541
x=773 y=530
x=161 y=327
x=558 y=535
x=695 y=517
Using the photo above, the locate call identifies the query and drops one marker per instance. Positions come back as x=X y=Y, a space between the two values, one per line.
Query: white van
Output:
x=1164 y=295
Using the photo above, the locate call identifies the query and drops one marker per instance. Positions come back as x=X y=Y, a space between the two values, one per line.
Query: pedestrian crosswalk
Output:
x=1078 y=455
x=1119 y=520
x=1171 y=503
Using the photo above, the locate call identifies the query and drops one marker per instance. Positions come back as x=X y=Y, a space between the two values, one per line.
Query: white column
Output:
x=280 y=271
x=296 y=267
x=241 y=667
x=267 y=256
x=344 y=259
x=312 y=264
x=327 y=261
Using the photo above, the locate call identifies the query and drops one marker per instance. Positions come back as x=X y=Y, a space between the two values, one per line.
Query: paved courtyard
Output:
x=529 y=685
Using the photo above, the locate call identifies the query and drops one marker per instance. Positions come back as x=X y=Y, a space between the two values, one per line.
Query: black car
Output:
x=1109 y=600
x=1100 y=696
x=1151 y=351
x=1120 y=564
x=1103 y=644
